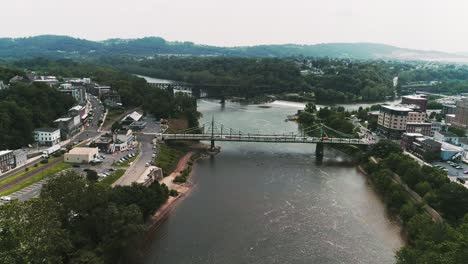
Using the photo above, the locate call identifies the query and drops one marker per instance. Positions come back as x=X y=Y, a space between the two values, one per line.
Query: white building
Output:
x=81 y=155
x=20 y=157
x=47 y=136
x=443 y=136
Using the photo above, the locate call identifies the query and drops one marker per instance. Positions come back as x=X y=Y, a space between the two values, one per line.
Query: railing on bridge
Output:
x=214 y=131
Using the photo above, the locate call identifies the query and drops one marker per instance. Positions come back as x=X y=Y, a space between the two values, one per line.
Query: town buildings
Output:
x=423 y=128
x=392 y=119
x=461 y=114
x=448 y=109
x=49 y=80
x=47 y=136
x=130 y=118
x=77 y=92
x=419 y=100
x=444 y=136
x=69 y=126
x=7 y=160
x=81 y=155
x=20 y=157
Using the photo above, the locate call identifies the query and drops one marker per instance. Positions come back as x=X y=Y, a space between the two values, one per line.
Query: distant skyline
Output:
x=416 y=24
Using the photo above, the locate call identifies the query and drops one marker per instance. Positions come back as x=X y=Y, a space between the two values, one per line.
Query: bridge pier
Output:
x=212 y=148
x=319 y=151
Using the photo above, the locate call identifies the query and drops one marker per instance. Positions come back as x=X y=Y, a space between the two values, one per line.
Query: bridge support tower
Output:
x=319 y=151
x=212 y=147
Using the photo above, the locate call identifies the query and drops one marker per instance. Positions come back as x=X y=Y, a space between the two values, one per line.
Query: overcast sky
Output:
x=420 y=24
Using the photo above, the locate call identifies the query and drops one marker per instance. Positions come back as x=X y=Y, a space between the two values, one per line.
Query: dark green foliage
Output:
x=173 y=193
x=77 y=221
x=183 y=176
x=429 y=242
x=24 y=107
x=63 y=46
x=384 y=148
x=456 y=131
x=148 y=199
x=352 y=81
x=92 y=175
x=45 y=161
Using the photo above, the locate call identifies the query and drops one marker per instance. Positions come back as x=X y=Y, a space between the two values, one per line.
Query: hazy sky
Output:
x=421 y=24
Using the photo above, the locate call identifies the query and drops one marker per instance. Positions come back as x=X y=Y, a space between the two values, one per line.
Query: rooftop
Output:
x=431 y=142
x=63 y=119
x=447 y=134
x=414 y=134
x=4 y=152
x=415 y=97
x=135 y=116
x=76 y=108
x=463 y=141
x=82 y=150
x=419 y=124
x=397 y=107
x=46 y=129
x=449 y=147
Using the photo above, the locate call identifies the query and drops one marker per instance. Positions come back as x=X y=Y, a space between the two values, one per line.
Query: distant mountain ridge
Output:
x=65 y=46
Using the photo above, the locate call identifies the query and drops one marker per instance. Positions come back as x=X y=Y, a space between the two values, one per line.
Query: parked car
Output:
x=5 y=198
x=460 y=180
x=147 y=164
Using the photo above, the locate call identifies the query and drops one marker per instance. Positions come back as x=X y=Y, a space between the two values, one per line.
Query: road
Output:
x=139 y=165
x=90 y=132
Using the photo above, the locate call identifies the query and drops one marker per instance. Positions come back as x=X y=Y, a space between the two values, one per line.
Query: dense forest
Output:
x=339 y=80
x=436 y=78
x=64 y=46
x=429 y=242
x=24 y=107
x=76 y=220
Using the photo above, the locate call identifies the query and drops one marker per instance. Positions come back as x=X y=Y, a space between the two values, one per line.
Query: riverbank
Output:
x=183 y=189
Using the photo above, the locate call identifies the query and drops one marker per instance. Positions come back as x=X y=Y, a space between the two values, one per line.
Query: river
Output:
x=272 y=203
x=348 y=106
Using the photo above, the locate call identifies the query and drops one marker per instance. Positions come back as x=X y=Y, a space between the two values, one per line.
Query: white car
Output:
x=5 y=198
x=147 y=164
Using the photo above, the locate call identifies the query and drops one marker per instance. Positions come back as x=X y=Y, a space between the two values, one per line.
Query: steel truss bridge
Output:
x=219 y=90
x=319 y=134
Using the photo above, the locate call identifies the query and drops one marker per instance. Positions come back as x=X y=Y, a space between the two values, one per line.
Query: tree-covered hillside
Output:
x=24 y=107
x=63 y=46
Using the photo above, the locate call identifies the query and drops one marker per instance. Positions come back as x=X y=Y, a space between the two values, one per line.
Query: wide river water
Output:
x=272 y=203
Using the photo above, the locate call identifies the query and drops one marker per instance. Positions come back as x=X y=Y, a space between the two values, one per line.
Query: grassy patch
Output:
x=183 y=176
x=109 y=180
x=112 y=116
x=168 y=158
x=23 y=172
x=40 y=176
x=177 y=124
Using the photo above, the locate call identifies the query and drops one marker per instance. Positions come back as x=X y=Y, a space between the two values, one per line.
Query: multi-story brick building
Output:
x=419 y=100
x=461 y=114
x=393 y=119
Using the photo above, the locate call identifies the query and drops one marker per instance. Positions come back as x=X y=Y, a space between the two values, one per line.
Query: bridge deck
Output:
x=264 y=138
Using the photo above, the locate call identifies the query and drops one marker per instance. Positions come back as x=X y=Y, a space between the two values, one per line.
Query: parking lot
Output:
x=452 y=171
x=108 y=162
x=152 y=125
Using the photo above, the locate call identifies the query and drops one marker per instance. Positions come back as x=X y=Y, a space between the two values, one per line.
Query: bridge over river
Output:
x=318 y=134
